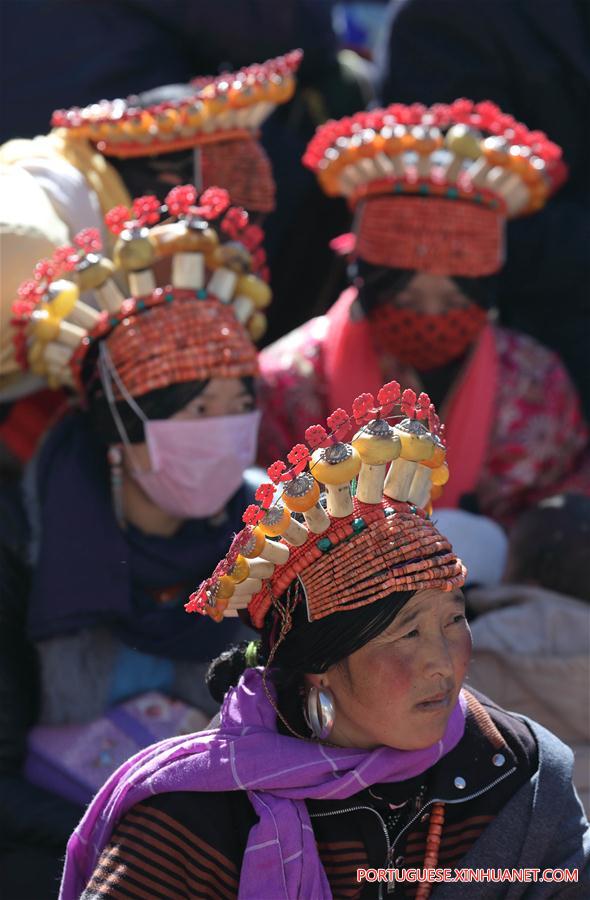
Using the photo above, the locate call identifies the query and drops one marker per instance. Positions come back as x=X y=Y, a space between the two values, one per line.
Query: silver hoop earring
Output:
x=320 y=712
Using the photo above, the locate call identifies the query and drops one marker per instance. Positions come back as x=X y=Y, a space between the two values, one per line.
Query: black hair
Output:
x=158 y=404
x=376 y=284
x=308 y=647
x=550 y=546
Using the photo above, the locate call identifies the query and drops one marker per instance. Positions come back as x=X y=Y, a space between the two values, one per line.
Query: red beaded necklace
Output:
x=437 y=819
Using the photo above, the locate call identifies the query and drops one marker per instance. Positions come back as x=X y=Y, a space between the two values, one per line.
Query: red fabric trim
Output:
x=28 y=421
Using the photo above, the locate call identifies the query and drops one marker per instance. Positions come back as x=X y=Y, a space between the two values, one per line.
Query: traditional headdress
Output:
x=432 y=187
x=222 y=118
x=374 y=535
x=200 y=326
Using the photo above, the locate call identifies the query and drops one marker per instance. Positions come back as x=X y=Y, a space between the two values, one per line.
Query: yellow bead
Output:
x=258 y=541
x=64 y=296
x=240 y=570
x=440 y=476
x=45 y=327
x=281 y=519
x=335 y=472
x=464 y=141
x=257 y=290
x=226 y=588
x=257 y=326
x=232 y=256
x=134 y=253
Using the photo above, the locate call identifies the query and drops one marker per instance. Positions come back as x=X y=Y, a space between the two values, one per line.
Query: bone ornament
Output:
x=335 y=466
x=417 y=445
x=94 y=272
x=272 y=551
x=302 y=495
x=464 y=143
x=222 y=284
x=134 y=253
x=62 y=296
x=377 y=445
x=278 y=522
x=188 y=271
x=421 y=487
x=256 y=568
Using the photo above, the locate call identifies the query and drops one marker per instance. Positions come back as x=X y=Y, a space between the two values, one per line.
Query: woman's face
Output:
x=400 y=688
x=220 y=397
x=430 y=294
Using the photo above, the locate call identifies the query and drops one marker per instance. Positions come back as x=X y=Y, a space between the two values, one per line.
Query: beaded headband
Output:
x=432 y=186
x=231 y=106
x=372 y=537
x=200 y=326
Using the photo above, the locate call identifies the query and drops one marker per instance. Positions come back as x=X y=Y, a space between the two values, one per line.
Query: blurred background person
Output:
x=57 y=184
x=148 y=43
x=431 y=189
x=128 y=502
x=532 y=635
x=532 y=57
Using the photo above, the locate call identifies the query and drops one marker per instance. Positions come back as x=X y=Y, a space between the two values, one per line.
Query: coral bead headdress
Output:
x=200 y=326
x=222 y=118
x=432 y=186
x=372 y=538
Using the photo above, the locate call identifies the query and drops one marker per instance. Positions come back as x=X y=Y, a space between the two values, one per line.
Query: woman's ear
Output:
x=317 y=680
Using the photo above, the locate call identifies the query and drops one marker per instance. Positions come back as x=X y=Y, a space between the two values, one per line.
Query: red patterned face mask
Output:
x=424 y=340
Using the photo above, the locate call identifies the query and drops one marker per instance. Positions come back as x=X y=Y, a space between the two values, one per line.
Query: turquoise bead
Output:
x=452 y=193
x=358 y=524
x=324 y=544
x=388 y=511
x=202 y=294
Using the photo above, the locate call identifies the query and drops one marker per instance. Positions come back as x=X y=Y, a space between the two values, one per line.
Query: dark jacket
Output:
x=144 y=44
x=532 y=57
x=508 y=799
x=34 y=823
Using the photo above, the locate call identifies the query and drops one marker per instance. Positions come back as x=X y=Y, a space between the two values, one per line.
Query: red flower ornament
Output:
x=298 y=457
x=363 y=408
x=147 y=210
x=253 y=515
x=88 y=240
x=213 y=203
x=275 y=471
x=339 y=423
x=423 y=406
x=388 y=396
x=265 y=494
x=316 y=436
x=408 y=403
x=180 y=200
x=116 y=219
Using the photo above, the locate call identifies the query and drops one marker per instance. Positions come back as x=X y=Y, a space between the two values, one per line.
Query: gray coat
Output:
x=543 y=826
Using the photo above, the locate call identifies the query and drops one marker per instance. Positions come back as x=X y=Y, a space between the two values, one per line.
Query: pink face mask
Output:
x=196 y=466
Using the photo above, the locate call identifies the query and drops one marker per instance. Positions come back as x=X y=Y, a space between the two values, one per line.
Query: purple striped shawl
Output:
x=279 y=772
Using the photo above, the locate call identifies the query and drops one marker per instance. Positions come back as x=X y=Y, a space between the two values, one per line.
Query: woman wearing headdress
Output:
x=134 y=493
x=348 y=742
x=97 y=157
x=431 y=190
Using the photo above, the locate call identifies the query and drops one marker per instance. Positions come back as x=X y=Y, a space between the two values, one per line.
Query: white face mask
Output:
x=197 y=466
